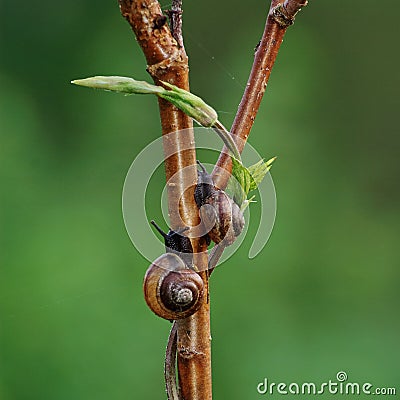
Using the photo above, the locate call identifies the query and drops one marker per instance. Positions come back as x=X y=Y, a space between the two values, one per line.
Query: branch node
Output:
x=280 y=15
x=188 y=354
x=284 y=14
x=159 y=69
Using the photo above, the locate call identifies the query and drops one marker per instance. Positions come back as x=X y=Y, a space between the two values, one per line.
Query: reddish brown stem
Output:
x=194 y=347
x=280 y=16
x=167 y=61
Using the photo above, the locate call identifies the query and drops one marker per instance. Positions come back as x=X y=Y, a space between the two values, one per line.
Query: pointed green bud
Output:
x=119 y=84
x=190 y=104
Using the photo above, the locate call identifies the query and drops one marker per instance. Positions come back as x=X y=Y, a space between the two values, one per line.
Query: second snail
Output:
x=220 y=215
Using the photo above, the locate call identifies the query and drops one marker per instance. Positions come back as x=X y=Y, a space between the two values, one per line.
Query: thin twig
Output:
x=264 y=59
x=280 y=17
x=170 y=366
x=226 y=137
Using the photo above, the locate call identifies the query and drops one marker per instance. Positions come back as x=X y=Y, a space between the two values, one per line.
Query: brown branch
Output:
x=194 y=350
x=279 y=18
x=167 y=61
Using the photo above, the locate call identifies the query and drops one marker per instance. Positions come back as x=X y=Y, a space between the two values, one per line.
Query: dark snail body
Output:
x=205 y=186
x=177 y=243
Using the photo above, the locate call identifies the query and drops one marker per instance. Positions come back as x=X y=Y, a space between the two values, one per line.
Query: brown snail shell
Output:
x=171 y=289
x=223 y=216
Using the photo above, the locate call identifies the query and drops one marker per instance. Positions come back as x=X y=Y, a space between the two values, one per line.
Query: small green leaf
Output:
x=244 y=180
x=241 y=181
x=258 y=172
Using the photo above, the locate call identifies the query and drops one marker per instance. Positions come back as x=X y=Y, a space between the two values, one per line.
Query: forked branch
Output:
x=167 y=61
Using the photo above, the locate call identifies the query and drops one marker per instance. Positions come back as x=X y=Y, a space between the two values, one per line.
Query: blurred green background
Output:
x=322 y=297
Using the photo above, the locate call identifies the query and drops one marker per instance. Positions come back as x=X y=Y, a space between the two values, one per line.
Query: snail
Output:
x=218 y=212
x=177 y=243
x=171 y=289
